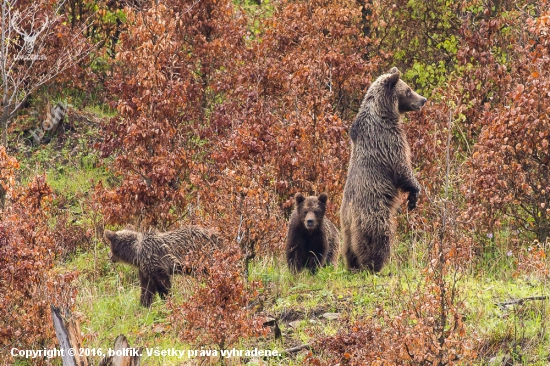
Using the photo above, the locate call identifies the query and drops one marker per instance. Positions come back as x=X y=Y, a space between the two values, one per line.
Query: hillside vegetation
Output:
x=215 y=113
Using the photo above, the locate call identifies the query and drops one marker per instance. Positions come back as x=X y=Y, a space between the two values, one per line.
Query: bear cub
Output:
x=160 y=255
x=312 y=240
x=379 y=169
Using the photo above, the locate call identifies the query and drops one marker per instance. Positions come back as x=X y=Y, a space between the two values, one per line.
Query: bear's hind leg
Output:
x=313 y=261
x=352 y=261
x=375 y=252
x=296 y=259
x=148 y=289
x=350 y=257
x=163 y=284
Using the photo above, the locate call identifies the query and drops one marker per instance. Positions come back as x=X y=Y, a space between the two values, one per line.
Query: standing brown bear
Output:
x=160 y=255
x=380 y=166
x=312 y=240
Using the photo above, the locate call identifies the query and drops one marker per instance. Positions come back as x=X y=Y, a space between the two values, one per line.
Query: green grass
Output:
x=108 y=299
x=109 y=303
x=504 y=328
x=72 y=182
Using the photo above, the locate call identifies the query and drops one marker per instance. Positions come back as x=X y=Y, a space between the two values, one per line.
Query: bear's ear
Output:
x=394 y=70
x=393 y=78
x=110 y=235
x=299 y=198
x=323 y=198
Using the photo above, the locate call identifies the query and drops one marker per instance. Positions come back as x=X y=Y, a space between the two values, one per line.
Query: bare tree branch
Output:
x=24 y=68
x=503 y=305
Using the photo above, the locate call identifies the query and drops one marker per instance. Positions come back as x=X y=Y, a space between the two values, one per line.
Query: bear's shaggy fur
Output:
x=159 y=255
x=312 y=239
x=380 y=166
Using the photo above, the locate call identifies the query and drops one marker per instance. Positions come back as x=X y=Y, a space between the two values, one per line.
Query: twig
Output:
x=297 y=348
x=15 y=341
x=520 y=301
x=441 y=255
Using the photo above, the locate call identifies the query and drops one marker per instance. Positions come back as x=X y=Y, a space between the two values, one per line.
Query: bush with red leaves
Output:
x=28 y=250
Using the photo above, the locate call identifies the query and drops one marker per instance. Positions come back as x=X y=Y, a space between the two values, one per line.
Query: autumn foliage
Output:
x=225 y=117
x=28 y=250
x=220 y=310
x=226 y=109
x=512 y=183
x=237 y=113
x=414 y=337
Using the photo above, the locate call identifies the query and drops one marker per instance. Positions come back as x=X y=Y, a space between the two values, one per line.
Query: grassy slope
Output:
x=109 y=303
x=108 y=300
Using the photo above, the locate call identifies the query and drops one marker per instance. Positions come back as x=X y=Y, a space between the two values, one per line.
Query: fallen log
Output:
x=67 y=331
x=68 y=334
x=297 y=348
x=520 y=301
x=124 y=354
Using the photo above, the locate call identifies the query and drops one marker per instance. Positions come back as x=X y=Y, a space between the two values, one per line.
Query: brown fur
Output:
x=380 y=166
x=159 y=255
x=312 y=239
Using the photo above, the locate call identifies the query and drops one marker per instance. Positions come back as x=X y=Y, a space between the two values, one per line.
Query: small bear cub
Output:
x=312 y=240
x=160 y=255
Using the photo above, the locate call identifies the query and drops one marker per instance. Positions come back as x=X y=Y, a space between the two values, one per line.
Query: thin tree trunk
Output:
x=3 y=57
x=544 y=229
x=4 y=125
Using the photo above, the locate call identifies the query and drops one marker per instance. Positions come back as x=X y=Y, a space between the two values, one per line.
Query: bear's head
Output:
x=311 y=210
x=392 y=92
x=123 y=245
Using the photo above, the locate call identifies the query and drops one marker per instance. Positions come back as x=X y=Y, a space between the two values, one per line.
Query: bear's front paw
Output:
x=413 y=198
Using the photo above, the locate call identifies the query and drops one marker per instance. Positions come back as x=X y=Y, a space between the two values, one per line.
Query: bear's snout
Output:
x=112 y=258
x=410 y=101
x=419 y=103
x=310 y=221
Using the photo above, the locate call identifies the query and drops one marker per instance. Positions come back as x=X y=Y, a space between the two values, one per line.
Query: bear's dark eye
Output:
x=409 y=92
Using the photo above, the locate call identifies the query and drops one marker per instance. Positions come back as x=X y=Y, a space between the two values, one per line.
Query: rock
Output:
x=331 y=316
